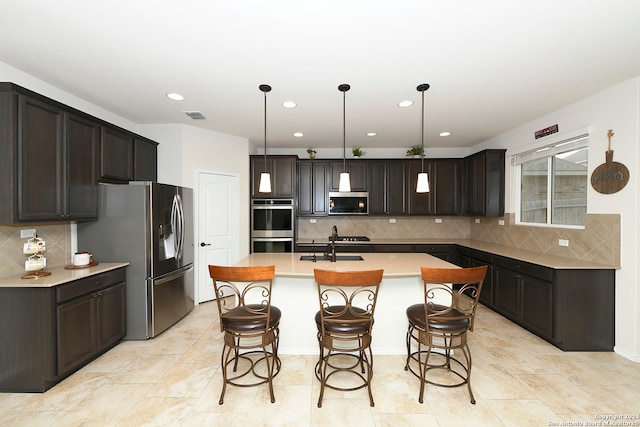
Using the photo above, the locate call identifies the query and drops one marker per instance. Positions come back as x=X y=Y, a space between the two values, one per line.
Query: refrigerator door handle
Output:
x=171 y=276
x=177 y=221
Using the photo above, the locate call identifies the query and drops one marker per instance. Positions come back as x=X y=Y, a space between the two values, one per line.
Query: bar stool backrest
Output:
x=243 y=293
x=461 y=301
x=347 y=298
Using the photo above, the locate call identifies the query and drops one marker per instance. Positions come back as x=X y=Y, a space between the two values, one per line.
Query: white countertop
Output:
x=394 y=264
x=59 y=276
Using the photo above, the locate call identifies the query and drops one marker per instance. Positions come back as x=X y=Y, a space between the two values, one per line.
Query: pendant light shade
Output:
x=423 y=177
x=345 y=181
x=423 y=183
x=265 y=177
x=265 y=183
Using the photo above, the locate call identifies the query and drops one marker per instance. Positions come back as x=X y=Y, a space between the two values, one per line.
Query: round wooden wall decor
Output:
x=610 y=177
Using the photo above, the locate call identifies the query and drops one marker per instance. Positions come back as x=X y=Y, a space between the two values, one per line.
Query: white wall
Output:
x=184 y=150
x=14 y=75
x=617 y=108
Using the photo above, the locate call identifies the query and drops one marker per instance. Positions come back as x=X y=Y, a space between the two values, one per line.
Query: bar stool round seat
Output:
x=347 y=303
x=350 y=323
x=452 y=319
x=240 y=319
x=438 y=327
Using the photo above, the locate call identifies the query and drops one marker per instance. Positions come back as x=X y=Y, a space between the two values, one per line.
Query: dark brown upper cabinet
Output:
x=357 y=170
x=83 y=140
x=387 y=187
x=283 y=176
x=446 y=197
x=484 y=176
x=313 y=188
x=127 y=157
x=54 y=156
x=145 y=159
x=49 y=167
x=419 y=203
x=116 y=155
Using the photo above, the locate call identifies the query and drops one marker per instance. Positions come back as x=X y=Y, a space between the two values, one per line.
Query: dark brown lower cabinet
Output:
x=48 y=333
x=442 y=251
x=526 y=299
x=479 y=258
x=574 y=309
x=90 y=324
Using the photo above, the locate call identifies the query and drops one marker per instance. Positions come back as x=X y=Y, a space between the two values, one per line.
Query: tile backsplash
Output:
x=56 y=236
x=381 y=228
x=598 y=242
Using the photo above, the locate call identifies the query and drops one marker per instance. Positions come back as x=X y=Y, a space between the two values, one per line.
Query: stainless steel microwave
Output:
x=348 y=203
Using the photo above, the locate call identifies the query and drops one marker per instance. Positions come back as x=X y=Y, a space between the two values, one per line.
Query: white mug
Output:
x=34 y=245
x=35 y=263
x=81 y=258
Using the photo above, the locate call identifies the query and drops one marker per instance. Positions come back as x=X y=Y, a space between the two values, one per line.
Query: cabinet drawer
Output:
x=533 y=270
x=393 y=248
x=482 y=256
x=89 y=284
x=432 y=248
x=463 y=250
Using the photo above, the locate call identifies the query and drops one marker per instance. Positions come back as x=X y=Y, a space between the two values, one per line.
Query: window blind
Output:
x=569 y=144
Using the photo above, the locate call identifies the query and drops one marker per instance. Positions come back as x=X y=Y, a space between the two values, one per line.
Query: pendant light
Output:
x=345 y=182
x=265 y=177
x=423 y=177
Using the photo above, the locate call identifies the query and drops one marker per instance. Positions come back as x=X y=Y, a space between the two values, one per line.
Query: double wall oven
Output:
x=272 y=225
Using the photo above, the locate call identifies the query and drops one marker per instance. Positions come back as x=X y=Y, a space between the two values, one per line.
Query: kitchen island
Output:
x=295 y=293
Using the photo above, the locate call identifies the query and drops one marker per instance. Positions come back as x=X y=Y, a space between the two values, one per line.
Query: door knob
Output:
x=205 y=244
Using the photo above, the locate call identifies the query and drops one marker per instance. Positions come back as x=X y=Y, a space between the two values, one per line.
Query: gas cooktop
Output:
x=351 y=239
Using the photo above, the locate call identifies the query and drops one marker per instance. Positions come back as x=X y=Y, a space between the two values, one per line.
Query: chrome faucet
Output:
x=332 y=246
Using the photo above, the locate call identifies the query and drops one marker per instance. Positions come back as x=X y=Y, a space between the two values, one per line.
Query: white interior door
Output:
x=218 y=226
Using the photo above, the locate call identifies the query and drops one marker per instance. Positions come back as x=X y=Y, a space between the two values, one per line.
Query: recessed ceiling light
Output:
x=445 y=133
x=405 y=104
x=371 y=134
x=175 y=96
x=289 y=104
x=298 y=134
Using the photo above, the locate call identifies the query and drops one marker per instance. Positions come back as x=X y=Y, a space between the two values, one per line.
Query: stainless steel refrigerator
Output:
x=149 y=225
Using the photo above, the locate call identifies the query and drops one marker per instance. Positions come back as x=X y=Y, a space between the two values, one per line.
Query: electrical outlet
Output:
x=501 y=222
x=438 y=220
x=477 y=220
x=27 y=233
x=563 y=242
x=392 y=220
x=312 y=220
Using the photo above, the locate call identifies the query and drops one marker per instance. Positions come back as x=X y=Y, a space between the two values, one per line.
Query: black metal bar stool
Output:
x=345 y=320
x=439 y=325
x=250 y=325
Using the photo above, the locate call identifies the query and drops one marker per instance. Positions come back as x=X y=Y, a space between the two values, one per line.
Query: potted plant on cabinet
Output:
x=311 y=152
x=357 y=152
x=415 y=151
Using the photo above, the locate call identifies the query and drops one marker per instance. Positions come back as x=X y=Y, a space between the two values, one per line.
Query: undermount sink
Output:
x=322 y=257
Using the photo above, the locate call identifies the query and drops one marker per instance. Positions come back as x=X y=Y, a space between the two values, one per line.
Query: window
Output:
x=553 y=183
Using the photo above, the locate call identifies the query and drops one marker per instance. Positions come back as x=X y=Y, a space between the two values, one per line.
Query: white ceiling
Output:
x=492 y=65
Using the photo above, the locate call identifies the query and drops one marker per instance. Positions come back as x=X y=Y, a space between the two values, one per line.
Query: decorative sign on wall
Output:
x=610 y=177
x=546 y=131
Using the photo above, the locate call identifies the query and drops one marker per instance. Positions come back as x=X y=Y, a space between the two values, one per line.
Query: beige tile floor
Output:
x=174 y=380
